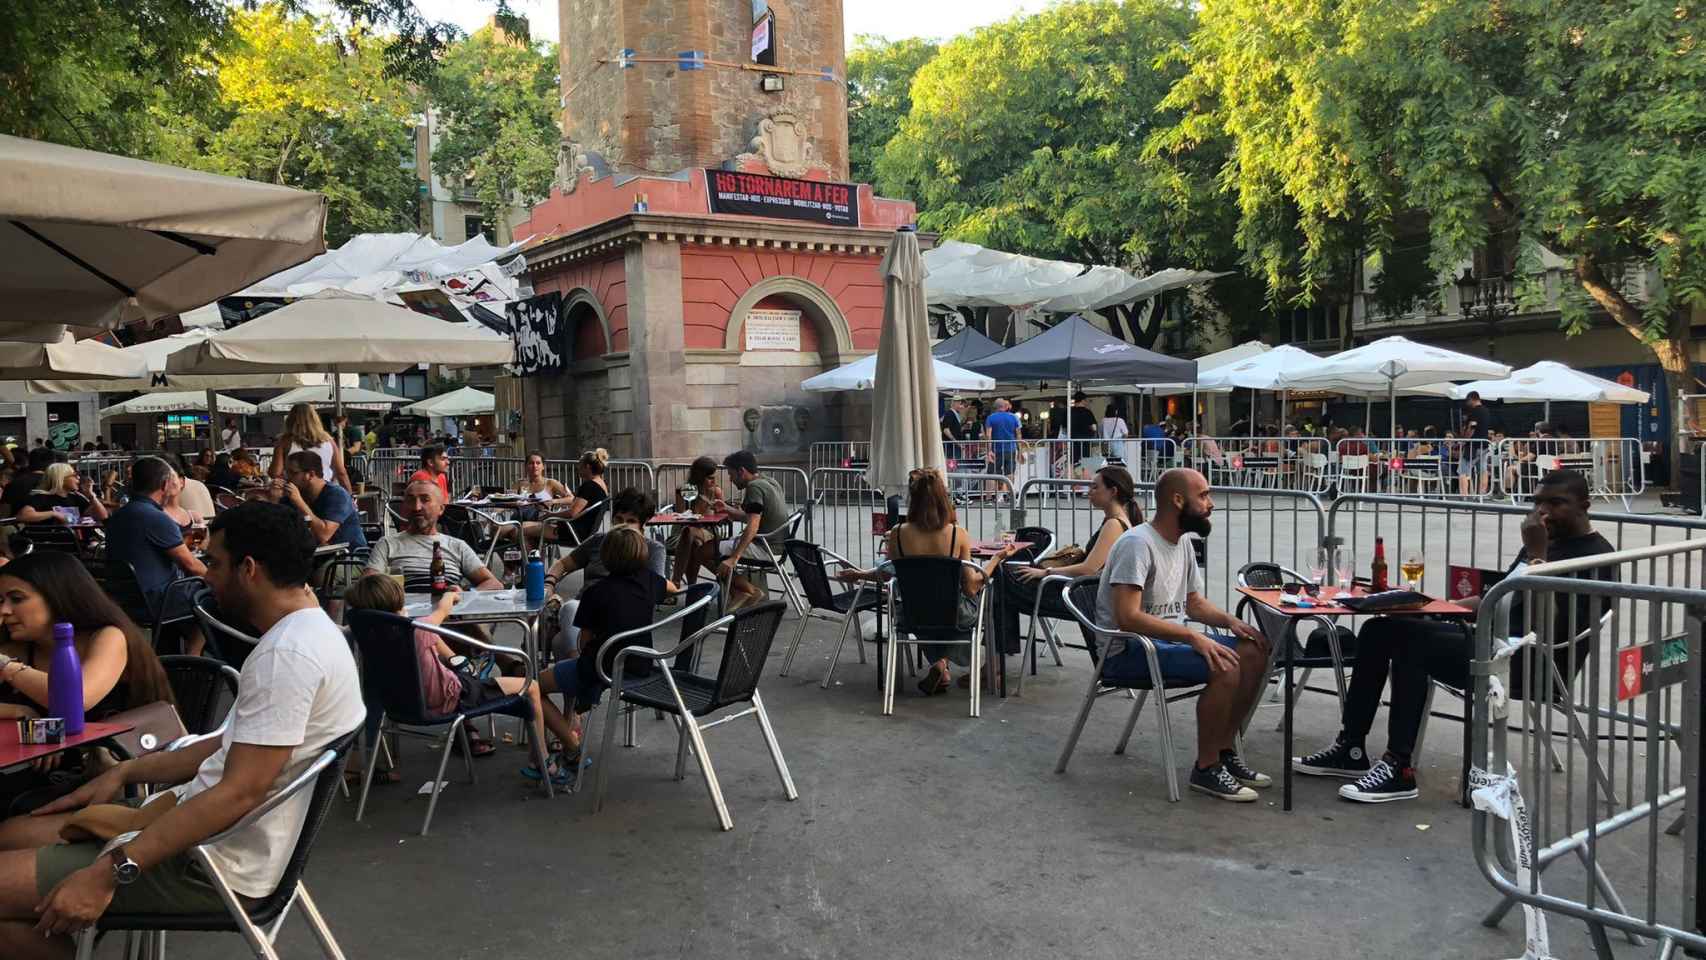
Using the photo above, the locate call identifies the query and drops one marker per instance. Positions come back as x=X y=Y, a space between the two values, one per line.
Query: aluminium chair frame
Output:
x=820 y=613
x=977 y=642
x=789 y=530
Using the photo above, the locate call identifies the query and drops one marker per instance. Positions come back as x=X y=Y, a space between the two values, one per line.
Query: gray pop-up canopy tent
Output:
x=964 y=347
x=1076 y=352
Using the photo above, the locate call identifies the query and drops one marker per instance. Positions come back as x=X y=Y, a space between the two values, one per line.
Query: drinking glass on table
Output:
x=1412 y=569
x=1320 y=561
x=1344 y=567
x=689 y=493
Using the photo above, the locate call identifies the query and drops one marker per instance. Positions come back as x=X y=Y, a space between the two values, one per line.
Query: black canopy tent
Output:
x=964 y=347
x=1077 y=352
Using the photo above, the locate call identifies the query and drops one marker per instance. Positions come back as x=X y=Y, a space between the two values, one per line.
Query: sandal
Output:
x=933 y=683
x=479 y=746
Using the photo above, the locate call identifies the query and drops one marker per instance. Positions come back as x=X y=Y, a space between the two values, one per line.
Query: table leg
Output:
x=999 y=655
x=1286 y=753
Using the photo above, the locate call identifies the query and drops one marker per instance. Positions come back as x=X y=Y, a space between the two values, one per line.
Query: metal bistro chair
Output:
x=1081 y=596
x=697 y=603
x=183 y=594
x=391 y=685
x=569 y=528
x=478 y=529
x=258 y=924
x=765 y=556
x=233 y=645
x=689 y=697
x=928 y=589
x=199 y=685
x=823 y=601
x=1266 y=575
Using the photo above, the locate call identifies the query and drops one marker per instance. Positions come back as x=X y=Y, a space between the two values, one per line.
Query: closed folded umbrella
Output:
x=862 y=375
x=95 y=240
x=904 y=431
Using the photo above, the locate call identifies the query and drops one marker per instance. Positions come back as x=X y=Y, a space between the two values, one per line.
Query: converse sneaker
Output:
x=1241 y=771
x=1217 y=782
x=1339 y=760
x=1385 y=781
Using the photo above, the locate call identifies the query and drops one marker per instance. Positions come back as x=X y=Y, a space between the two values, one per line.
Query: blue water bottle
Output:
x=535 y=579
x=65 y=679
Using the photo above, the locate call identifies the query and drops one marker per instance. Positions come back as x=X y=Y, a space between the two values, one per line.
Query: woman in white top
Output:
x=303 y=431
x=1115 y=430
x=546 y=494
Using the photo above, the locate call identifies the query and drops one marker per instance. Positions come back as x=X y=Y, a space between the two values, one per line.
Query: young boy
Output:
x=449 y=688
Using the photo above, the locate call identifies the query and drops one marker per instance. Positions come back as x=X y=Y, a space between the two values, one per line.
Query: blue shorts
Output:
x=1181 y=665
x=567 y=673
x=1006 y=458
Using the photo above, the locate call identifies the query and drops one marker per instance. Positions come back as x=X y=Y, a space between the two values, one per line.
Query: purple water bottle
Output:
x=65 y=679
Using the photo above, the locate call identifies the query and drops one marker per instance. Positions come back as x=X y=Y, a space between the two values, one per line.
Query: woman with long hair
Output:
x=592 y=491
x=702 y=476
x=304 y=431
x=544 y=494
x=932 y=530
x=1113 y=494
x=120 y=670
x=60 y=489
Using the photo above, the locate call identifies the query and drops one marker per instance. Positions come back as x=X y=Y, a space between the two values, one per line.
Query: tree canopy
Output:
x=879 y=96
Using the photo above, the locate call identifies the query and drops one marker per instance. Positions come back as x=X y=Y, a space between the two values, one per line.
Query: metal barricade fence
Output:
x=849 y=454
x=1415 y=467
x=1601 y=751
x=849 y=515
x=1613 y=466
x=1301 y=464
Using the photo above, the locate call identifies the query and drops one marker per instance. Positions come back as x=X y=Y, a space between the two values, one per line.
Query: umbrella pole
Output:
x=1253 y=398
x=1546 y=412
x=1194 y=428
x=213 y=419
x=1285 y=397
x=1068 y=430
x=337 y=397
x=1367 y=414
x=1392 y=407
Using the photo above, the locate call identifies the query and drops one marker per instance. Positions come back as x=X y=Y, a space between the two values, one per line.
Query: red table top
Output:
x=675 y=520
x=11 y=751
x=1271 y=600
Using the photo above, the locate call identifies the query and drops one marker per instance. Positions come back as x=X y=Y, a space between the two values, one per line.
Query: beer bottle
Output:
x=1377 y=574
x=440 y=586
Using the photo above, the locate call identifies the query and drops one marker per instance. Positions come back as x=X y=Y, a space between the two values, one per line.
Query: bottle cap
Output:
x=64 y=633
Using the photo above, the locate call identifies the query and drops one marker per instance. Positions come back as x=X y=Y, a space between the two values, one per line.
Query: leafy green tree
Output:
x=1027 y=136
x=1571 y=124
x=879 y=96
x=496 y=97
x=302 y=104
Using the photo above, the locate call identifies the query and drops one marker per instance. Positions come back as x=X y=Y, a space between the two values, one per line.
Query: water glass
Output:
x=1344 y=567
x=1320 y=561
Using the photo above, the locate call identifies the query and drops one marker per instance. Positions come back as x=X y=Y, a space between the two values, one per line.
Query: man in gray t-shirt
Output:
x=1151 y=586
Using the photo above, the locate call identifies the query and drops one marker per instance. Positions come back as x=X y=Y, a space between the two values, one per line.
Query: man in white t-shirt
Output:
x=299 y=693
x=1152 y=585
x=230 y=438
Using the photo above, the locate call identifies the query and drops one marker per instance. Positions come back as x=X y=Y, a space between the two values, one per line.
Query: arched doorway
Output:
x=790 y=419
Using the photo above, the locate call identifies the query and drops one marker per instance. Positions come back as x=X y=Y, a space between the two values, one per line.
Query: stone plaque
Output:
x=773 y=330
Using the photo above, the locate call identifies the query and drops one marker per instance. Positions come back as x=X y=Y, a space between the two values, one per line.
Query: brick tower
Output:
x=658 y=86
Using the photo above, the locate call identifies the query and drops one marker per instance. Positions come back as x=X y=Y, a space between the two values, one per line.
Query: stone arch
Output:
x=581 y=296
x=835 y=339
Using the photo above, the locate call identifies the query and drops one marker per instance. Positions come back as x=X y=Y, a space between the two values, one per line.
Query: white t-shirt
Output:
x=410 y=554
x=1167 y=572
x=1114 y=428
x=230 y=440
x=299 y=689
x=327 y=451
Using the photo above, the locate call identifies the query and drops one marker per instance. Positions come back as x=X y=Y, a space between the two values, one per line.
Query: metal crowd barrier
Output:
x=849 y=516
x=1606 y=753
x=1301 y=464
x=1614 y=467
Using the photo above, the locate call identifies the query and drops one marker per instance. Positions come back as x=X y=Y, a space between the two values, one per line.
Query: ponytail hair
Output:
x=928 y=505
x=1125 y=492
x=594 y=461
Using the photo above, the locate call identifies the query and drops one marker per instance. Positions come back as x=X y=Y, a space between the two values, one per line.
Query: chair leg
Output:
x=680 y=749
x=438 y=778
x=889 y=673
x=467 y=749
x=794 y=647
x=1078 y=722
x=1166 y=723
x=317 y=925
x=1296 y=693
x=86 y=943
x=1422 y=733
x=711 y=784
x=1053 y=644
x=976 y=685
x=847 y=623
x=1131 y=721
x=775 y=747
x=372 y=762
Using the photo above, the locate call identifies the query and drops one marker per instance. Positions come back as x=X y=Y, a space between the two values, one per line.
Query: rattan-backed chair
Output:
x=824 y=601
x=688 y=697
x=928 y=590
x=257 y=921
x=765 y=557
x=200 y=686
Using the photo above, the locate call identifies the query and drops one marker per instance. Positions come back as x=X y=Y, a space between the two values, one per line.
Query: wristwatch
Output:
x=125 y=870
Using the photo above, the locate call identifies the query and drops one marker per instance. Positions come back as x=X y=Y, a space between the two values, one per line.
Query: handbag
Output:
x=153 y=726
x=1064 y=557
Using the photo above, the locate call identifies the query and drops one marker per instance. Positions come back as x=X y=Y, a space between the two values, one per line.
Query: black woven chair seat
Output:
x=514 y=705
x=869 y=600
x=653 y=691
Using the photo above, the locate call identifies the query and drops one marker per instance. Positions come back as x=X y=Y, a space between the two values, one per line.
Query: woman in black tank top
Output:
x=1115 y=500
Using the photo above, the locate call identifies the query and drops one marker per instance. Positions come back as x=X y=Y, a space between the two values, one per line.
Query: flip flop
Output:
x=932 y=683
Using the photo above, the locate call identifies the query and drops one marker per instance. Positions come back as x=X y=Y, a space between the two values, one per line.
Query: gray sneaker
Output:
x=1217 y=782
x=1242 y=771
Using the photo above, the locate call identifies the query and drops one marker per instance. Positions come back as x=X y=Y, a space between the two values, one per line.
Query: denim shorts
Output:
x=1181 y=664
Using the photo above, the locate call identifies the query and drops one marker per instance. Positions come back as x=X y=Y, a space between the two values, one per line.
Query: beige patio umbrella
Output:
x=904 y=431
x=155 y=379
x=338 y=332
x=175 y=402
x=68 y=357
x=94 y=240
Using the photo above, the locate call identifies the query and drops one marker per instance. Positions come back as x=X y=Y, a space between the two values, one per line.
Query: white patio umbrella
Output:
x=904 y=431
x=68 y=357
x=466 y=402
x=1392 y=365
x=173 y=402
x=326 y=395
x=1549 y=380
x=94 y=240
x=338 y=332
x=862 y=375
x=154 y=378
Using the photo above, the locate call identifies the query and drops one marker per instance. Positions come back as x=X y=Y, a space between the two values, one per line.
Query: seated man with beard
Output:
x=1152 y=585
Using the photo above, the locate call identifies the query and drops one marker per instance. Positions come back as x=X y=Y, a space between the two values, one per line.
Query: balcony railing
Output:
x=1496 y=298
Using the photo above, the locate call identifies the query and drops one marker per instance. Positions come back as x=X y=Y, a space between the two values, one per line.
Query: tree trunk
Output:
x=1671 y=350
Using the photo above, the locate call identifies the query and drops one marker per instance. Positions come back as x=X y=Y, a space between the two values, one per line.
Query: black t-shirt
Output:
x=1587 y=545
x=953 y=428
x=46 y=502
x=594 y=494
x=1478 y=420
x=18 y=492
x=608 y=607
x=1084 y=425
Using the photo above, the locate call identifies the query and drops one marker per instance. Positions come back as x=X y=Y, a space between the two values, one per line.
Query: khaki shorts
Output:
x=176 y=886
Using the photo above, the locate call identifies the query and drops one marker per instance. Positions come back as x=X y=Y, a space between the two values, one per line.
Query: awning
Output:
x=967 y=275
x=1075 y=350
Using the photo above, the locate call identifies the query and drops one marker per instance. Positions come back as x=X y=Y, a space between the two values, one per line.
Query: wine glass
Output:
x=1412 y=569
x=689 y=493
x=1344 y=567
x=1320 y=561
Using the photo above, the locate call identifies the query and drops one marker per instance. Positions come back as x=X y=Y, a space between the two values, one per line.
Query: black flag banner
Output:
x=536 y=325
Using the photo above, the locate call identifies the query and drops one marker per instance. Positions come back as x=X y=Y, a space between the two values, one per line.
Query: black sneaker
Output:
x=1384 y=782
x=1217 y=782
x=1339 y=760
x=1241 y=771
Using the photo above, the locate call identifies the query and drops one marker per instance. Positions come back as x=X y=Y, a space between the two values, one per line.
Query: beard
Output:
x=1197 y=523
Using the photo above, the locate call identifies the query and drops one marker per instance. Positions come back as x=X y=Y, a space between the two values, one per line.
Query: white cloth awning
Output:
x=69 y=357
x=324 y=396
x=1549 y=380
x=968 y=275
x=862 y=375
x=174 y=402
x=375 y=263
x=466 y=402
x=95 y=240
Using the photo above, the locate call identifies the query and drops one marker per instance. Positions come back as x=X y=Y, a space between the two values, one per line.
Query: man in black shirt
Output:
x=1478 y=421
x=18 y=492
x=1416 y=651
